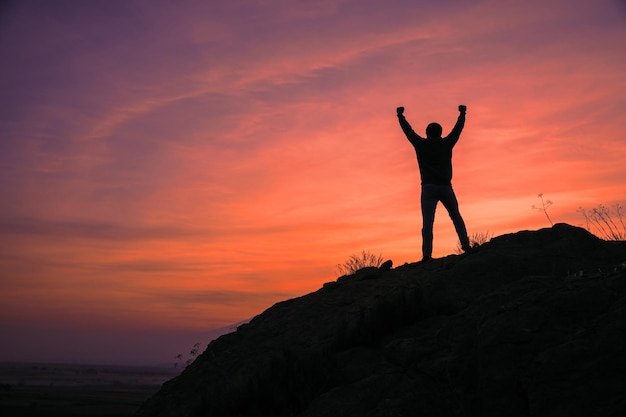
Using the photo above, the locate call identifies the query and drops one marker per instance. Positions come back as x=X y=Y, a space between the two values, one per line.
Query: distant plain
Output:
x=34 y=389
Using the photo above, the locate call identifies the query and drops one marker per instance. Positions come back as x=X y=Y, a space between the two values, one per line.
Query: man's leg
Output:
x=449 y=201
x=429 y=205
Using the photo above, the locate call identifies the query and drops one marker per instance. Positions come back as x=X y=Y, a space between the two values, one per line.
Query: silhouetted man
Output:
x=434 y=157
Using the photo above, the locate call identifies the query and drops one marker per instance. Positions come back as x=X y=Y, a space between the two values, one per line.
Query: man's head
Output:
x=433 y=130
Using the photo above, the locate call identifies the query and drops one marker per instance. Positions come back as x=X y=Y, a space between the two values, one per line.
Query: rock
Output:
x=386 y=266
x=507 y=331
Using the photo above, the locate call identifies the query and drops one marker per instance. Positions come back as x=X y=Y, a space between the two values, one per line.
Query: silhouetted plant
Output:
x=608 y=223
x=357 y=262
x=475 y=239
x=544 y=207
x=193 y=353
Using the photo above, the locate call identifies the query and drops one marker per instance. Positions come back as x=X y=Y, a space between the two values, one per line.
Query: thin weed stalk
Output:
x=544 y=207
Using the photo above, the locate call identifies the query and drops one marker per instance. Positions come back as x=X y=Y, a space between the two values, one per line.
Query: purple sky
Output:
x=169 y=168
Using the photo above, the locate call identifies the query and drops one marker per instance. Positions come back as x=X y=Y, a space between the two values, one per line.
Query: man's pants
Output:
x=431 y=195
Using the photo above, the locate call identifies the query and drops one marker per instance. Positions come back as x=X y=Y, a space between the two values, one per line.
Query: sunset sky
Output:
x=172 y=167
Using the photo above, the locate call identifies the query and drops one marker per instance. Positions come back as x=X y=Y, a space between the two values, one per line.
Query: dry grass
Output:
x=357 y=262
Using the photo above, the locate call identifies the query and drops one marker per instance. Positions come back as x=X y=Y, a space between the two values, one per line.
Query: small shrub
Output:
x=357 y=262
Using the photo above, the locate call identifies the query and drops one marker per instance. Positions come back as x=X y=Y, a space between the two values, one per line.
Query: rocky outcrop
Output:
x=532 y=324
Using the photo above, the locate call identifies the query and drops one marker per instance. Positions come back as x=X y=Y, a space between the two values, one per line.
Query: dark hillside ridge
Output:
x=533 y=324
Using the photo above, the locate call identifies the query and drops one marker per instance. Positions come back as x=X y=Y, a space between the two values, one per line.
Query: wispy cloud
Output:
x=232 y=153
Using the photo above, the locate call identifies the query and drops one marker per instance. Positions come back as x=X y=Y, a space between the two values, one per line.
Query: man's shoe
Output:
x=469 y=249
x=425 y=259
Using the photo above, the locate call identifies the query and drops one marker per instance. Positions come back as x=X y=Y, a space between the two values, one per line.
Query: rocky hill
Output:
x=532 y=324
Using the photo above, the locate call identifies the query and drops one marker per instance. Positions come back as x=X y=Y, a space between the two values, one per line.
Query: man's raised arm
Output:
x=406 y=127
x=458 y=127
